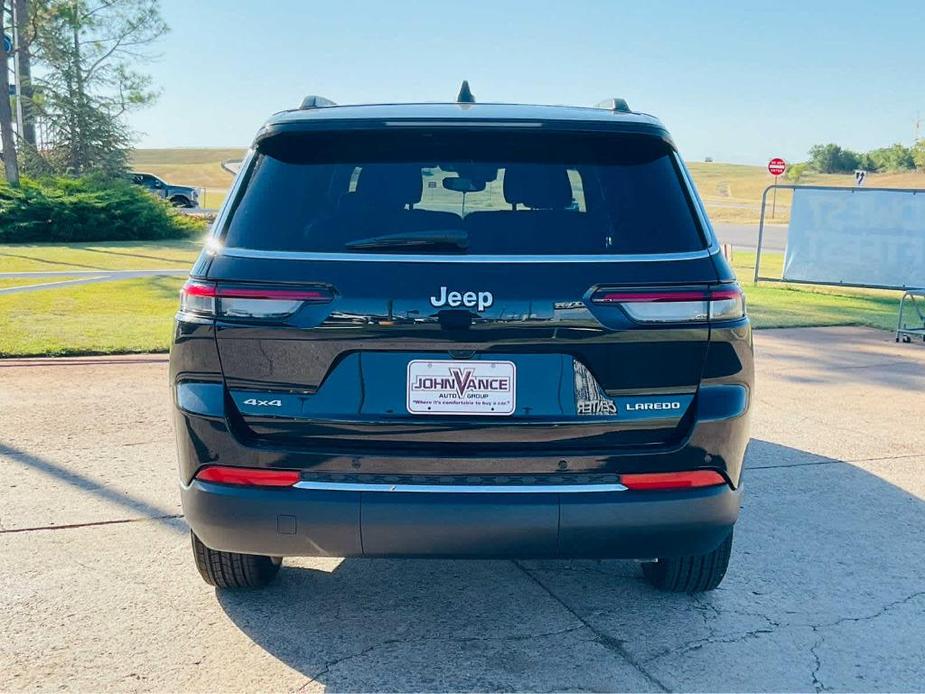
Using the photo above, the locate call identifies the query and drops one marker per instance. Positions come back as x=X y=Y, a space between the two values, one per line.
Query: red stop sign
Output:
x=777 y=166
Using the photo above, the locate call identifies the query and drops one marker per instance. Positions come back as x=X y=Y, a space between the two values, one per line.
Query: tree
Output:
x=918 y=154
x=87 y=49
x=10 y=161
x=24 y=36
x=895 y=158
x=832 y=159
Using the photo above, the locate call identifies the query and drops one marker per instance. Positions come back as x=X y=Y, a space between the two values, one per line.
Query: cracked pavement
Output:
x=825 y=591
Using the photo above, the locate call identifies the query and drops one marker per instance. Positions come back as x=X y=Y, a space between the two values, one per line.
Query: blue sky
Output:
x=736 y=81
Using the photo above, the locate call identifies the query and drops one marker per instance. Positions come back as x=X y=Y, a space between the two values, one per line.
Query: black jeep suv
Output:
x=462 y=330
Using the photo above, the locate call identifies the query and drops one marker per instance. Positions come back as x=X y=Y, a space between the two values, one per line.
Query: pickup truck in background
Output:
x=179 y=196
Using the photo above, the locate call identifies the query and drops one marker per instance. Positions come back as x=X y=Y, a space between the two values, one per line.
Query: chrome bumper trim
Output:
x=461 y=488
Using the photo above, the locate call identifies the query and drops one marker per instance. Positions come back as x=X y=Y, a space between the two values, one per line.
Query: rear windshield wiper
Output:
x=455 y=239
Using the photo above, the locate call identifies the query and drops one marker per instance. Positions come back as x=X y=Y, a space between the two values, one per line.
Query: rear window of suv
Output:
x=465 y=192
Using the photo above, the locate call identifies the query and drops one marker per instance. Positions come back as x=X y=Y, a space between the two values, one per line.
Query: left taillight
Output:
x=248 y=477
x=222 y=301
x=676 y=305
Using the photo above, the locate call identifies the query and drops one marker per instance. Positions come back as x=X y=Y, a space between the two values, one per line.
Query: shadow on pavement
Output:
x=91 y=486
x=824 y=590
x=876 y=360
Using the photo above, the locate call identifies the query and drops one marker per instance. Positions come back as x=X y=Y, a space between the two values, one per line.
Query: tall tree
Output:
x=24 y=35
x=88 y=50
x=10 y=162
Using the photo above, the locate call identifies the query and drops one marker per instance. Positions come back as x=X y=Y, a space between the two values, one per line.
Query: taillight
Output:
x=652 y=481
x=198 y=298
x=248 y=477
x=676 y=305
x=215 y=300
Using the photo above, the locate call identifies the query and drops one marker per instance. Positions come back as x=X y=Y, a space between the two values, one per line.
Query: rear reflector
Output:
x=248 y=477
x=676 y=305
x=672 y=480
x=215 y=300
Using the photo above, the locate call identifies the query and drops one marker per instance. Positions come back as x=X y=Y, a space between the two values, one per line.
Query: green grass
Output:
x=773 y=305
x=115 y=255
x=119 y=317
x=131 y=316
x=785 y=306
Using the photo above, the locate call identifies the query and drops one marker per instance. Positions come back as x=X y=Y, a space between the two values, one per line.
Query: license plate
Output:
x=461 y=387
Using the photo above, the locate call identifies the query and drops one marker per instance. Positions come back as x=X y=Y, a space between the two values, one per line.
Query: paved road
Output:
x=825 y=590
x=745 y=236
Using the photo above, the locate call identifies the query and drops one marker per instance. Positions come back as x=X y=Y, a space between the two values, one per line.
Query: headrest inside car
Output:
x=538 y=186
x=390 y=185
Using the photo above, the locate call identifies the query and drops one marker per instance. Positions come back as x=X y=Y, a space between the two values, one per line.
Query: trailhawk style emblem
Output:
x=478 y=300
x=461 y=387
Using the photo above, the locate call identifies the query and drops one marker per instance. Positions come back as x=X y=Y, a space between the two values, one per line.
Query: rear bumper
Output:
x=324 y=522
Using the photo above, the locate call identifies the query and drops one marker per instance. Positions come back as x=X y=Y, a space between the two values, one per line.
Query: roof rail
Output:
x=465 y=95
x=315 y=101
x=614 y=104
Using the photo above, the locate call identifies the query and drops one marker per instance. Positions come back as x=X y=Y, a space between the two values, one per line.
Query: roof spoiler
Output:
x=614 y=104
x=315 y=101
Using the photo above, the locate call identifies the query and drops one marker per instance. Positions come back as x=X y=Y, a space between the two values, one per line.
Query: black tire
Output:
x=694 y=574
x=233 y=570
x=181 y=201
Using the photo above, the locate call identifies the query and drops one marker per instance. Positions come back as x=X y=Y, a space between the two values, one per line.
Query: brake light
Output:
x=676 y=305
x=248 y=477
x=672 y=480
x=215 y=300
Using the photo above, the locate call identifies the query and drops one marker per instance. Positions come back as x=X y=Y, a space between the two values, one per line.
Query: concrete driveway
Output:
x=826 y=589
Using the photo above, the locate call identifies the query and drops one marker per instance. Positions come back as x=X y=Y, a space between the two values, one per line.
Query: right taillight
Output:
x=727 y=304
x=657 y=481
x=216 y=300
x=676 y=305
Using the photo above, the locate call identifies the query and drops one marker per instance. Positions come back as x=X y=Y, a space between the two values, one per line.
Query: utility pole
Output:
x=10 y=163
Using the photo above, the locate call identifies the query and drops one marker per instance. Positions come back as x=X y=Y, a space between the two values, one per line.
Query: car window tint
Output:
x=512 y=194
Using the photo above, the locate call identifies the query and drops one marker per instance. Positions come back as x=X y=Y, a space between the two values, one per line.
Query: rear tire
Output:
x=233 y=570
x=694 y=574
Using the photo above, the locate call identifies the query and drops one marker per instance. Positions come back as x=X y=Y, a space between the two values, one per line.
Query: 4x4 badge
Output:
x=479 y=300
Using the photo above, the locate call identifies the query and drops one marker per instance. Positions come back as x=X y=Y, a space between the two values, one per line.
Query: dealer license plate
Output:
x=444 y=387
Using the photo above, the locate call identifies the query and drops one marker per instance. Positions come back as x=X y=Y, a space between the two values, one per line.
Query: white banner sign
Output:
x=857 y=236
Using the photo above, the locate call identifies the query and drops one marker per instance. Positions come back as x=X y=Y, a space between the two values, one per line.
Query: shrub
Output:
x=796 y=171
x=87 y=209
